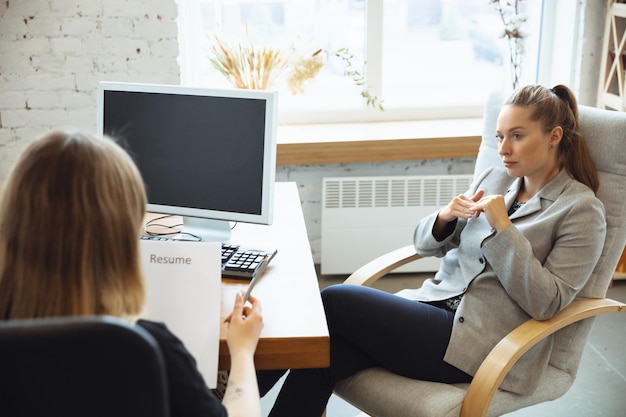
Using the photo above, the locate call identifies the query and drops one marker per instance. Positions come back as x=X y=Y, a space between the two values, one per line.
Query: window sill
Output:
x=379 y=141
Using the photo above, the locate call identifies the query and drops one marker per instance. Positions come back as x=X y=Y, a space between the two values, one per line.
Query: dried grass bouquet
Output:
x=250 y=66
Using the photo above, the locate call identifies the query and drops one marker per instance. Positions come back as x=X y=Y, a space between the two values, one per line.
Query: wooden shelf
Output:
x=378 y=141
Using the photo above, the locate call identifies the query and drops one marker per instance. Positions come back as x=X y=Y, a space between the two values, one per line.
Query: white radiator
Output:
x=365 y=217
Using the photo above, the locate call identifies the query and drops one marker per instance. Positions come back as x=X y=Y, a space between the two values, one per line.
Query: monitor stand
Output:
x=209 y=230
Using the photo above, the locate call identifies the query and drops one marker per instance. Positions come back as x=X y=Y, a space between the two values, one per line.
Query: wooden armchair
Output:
x=381 y=393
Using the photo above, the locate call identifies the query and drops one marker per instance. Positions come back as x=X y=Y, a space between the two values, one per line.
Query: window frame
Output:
x=566 y=13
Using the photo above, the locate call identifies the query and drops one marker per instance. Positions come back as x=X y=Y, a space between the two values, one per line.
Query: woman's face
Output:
x=525 y=149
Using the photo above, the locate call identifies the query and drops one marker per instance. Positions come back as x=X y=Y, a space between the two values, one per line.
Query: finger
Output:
x=228 y=318
x=479 y=194
x=255 y=303
x=462 y=198
x=457 y=207
x=238 y=307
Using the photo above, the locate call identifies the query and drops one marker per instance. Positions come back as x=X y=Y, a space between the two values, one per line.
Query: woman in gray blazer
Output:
x=520 y=243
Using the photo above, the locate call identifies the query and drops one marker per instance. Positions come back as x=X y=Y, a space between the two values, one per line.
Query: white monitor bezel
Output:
x=269 y=158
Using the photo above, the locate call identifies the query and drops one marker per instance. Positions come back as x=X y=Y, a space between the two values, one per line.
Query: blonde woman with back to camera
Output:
x=70 y=214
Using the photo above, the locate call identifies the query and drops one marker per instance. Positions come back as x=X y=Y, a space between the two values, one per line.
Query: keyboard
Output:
x=237 y=261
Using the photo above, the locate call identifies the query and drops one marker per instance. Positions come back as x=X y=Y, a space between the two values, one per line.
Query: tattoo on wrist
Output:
x=233 y=392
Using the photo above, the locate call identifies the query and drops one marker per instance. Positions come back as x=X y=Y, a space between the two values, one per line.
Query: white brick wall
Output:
x=53 y=53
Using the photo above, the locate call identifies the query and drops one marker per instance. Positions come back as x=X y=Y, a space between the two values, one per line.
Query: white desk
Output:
x=295 y=334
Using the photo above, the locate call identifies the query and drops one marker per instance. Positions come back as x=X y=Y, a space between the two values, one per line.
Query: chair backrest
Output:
x=80 y=366
x=605 y=134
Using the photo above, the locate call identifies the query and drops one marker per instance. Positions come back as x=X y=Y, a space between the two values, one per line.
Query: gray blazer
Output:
x=534 y=268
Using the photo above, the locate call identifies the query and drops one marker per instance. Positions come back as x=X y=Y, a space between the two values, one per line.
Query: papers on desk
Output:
x=183 y=281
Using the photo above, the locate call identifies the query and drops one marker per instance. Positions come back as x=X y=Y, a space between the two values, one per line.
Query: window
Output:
x=424 y=58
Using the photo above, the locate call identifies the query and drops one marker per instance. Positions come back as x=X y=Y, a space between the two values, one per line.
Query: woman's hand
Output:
x=461 y=206
x=494 y=208
x=244 y=325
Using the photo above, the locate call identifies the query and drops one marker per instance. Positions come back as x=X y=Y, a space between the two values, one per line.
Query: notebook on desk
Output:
x=183 y=287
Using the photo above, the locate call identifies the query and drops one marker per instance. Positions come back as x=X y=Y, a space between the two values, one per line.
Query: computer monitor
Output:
x=204 y=154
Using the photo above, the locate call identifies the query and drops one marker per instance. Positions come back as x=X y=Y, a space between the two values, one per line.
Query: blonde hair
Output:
x=557 y=106
x=70 y=216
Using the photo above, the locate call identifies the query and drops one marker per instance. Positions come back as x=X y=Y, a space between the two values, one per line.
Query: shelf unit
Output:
x=612 y=85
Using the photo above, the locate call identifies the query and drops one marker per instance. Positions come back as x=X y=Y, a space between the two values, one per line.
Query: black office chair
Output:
x=80 y=366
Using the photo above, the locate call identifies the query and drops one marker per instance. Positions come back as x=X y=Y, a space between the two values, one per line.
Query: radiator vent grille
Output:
x=393 y=191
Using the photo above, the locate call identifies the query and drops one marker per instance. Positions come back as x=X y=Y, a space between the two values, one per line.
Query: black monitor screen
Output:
x=198 y=150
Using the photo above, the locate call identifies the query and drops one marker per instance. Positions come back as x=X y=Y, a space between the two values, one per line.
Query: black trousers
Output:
x=368 y=328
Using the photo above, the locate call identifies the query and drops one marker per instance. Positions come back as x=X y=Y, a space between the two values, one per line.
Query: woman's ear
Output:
x=556 y=134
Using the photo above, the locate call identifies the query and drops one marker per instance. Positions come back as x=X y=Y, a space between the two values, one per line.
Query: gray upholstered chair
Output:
x=381 y=393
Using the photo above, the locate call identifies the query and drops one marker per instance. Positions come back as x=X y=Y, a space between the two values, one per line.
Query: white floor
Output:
x=599 y=390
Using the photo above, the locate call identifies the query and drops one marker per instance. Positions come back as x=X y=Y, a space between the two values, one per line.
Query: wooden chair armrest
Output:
x=506 y=353
x=381 y=266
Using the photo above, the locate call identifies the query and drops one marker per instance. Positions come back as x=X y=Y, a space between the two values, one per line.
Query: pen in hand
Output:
x=255 y=279
x=253 y=282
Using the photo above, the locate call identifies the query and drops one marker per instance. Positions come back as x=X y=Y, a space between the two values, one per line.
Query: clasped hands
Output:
x=493 y=207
